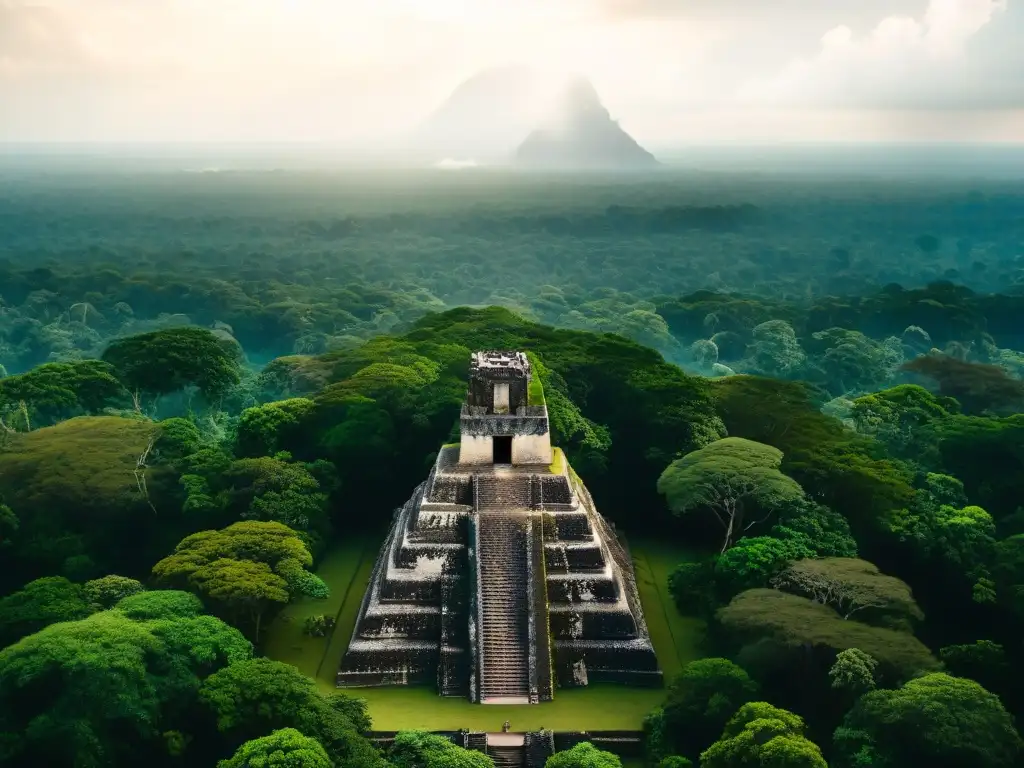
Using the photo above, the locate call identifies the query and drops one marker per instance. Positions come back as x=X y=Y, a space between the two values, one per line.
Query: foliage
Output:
x=832 y=465
x=164 y=361
x=245 y=569
x=40 y=603
x=284 y=748
x=161 y=604
x=982 y=660
x=698 y=704
x=853 y=671
x=793 y=621
x=933 y=720
x=73 y=483
x=726 y=477
x=419 y=749
x=583 y=755
x=91 y=692
x=260 y=695
x=690 y=585
x=56 y=391
x=265 y=429
x=760 y=734
x=318 y=625
x=753 y=562
x=105 y=592
x=978 y=387
x=848 y=586
x=893 y=415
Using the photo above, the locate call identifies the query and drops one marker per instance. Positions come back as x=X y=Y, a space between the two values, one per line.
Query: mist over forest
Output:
x=223 y=368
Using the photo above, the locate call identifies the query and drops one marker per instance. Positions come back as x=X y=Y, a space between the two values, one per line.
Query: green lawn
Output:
x=346 y=569
x=285 y=640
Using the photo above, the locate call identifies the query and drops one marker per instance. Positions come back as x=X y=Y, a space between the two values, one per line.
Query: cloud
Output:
x=903 y=62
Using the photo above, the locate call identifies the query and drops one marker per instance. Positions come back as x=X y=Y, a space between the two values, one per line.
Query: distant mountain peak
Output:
x=584 y=136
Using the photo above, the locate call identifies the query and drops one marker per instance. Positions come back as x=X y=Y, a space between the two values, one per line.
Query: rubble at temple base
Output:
x=499 y=579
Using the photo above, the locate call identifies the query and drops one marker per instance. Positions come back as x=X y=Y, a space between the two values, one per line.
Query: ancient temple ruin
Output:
x=498 y=578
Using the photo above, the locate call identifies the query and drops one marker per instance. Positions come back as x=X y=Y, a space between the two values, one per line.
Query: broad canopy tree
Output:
x=245 y=569
x=168 y=360
x=728 y=477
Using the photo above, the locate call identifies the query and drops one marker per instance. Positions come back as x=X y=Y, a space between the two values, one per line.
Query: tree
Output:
x=100 y=690
x=244 y=589
x=583 y=755
x=55 y=391
x=284 y=748
x=168 y=360
x=941 y=529
x=784 y=621
x=978 y=387
x=982 y=660
x=420 y=749
x=852 y=361
x=726 y=477
x=853 y=671
x=105 y=592
x=161 y=604
x=698 y=704
x=259 y=695
x=40 y=603
x=691 y=585
x=895 y=415
x=274 y=489
x=935 y=720
x=753 y=562
x=776 y=351
x=246 y=569
x=263 y=430
x=848 y=586
x=817 y=528
x=834 y=466
x=761 y=734
x=75 y=482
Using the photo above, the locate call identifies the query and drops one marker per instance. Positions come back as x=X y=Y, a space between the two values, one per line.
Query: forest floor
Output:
x=346 y=568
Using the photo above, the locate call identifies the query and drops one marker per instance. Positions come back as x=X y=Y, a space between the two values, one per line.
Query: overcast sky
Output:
x=671 y=71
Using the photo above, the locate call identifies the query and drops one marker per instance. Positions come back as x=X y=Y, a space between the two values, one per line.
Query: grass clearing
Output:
x=347 y=567
x=285 y=640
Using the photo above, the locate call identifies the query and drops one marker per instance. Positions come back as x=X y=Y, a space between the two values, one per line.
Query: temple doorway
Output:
x=503 y=450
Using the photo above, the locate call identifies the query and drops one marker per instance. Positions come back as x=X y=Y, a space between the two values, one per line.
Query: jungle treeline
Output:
x=207 y=379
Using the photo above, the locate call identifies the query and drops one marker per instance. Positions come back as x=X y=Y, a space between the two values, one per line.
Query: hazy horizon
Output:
x=673 y=73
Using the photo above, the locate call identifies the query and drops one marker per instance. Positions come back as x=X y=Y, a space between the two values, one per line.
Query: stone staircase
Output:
x=504 y=638
x=501 y=491
x=507 y=757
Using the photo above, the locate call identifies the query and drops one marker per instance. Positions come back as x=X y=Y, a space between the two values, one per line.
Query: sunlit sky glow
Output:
x=361 y=71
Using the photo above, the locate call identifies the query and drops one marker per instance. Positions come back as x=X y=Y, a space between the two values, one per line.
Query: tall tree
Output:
x=727 y=477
